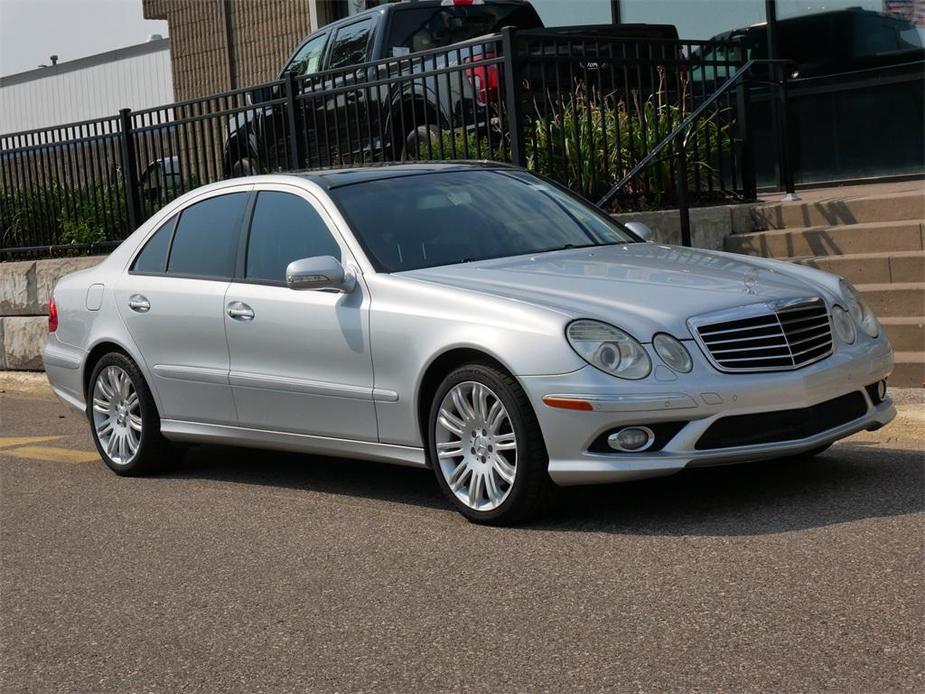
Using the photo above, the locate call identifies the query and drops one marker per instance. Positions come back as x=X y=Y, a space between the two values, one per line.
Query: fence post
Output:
x=681 y=182
x=743 y=128
x=295 y=141
x=130 y=171
x=512 y=95
x=786 y=160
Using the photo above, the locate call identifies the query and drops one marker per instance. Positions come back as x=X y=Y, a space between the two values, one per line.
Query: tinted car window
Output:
x=284 y=228
x=207 y=237
x=411 y=222
x=419 y=29
x=153 y=257
x=308 y=59
x=350 y=44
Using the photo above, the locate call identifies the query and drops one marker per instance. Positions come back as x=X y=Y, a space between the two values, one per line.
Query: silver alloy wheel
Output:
x=476 y=446
x=117 y=415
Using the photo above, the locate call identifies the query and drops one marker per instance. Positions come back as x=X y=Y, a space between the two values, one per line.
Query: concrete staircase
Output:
x=874 y=237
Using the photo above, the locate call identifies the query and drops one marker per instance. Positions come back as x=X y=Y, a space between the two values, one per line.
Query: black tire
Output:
x=153 y=453
x=531 y=492
x=243 y=167
x=418 y=138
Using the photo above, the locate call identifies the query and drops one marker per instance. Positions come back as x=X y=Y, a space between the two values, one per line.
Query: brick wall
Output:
x=218 y=45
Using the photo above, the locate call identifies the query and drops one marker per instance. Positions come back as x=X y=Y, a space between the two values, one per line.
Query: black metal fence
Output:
x=579 y=108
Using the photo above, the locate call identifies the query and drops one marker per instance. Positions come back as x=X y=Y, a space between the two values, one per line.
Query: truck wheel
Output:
x=243 y=167
x=416 y=144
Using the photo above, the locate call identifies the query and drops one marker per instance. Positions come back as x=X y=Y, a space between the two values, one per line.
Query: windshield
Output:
x=420 y=221
x=415 y=29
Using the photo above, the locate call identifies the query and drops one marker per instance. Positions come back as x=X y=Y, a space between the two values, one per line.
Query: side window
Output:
x=350 y=44
x=308 y=59
x=153 y=257
x=284 y=228
x=206 y=239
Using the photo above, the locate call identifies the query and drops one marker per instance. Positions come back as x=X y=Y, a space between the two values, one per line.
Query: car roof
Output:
x=402 y=4
x=336 y=178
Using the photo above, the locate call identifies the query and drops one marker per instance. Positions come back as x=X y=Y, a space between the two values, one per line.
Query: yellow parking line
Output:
x=7 y=441
x=53 y=455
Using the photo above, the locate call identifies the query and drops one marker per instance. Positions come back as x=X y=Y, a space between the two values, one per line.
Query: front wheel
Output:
x=486 y=447
x=123 y=418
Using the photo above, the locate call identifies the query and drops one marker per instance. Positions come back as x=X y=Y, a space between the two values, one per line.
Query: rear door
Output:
x=172 y=302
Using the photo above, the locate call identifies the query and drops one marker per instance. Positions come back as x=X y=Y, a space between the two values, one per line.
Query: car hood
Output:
x=643 y=288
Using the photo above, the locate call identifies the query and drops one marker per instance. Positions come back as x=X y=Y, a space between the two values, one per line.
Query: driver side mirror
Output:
x=319 y=272
x=259 y=95
x=643 y=231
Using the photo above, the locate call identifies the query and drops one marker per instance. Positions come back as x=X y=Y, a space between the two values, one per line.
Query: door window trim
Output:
x=177 y=215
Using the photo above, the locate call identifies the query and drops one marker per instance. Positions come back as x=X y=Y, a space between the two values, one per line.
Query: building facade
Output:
x=219 y=45
x=92 y=87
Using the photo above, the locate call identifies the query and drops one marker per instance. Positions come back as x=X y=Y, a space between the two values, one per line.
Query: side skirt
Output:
x=192 y=432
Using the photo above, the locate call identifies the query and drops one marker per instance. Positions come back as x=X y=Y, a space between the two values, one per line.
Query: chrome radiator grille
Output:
x=767 y=338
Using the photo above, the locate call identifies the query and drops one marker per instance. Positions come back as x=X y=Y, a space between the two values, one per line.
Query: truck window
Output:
x=419 y=29
x=350 y=44
x=308 y=59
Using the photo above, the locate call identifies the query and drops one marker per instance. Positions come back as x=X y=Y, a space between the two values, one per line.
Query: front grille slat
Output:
x=790 y=337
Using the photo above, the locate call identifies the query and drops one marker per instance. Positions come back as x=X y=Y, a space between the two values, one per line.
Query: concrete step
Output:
x=907 y=334
x=885 y=207
x=896 y=300
x=873 y=268
x=825 y=241
x=908 y=371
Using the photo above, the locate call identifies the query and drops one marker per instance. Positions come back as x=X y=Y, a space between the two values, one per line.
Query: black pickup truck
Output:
x=359 y=95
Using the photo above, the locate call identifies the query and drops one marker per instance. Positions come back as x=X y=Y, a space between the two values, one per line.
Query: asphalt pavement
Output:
x=249 y=571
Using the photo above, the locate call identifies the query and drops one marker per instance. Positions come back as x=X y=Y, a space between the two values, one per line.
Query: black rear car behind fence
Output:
x=581 y=107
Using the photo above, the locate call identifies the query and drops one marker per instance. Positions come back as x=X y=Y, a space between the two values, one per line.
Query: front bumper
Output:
x=699 y=398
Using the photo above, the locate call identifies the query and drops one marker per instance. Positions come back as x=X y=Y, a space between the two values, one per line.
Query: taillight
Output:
x=485 y=78
x=52 y=315
x=461 y=3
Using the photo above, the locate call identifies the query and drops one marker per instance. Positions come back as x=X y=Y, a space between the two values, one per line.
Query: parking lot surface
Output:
x=248 y=571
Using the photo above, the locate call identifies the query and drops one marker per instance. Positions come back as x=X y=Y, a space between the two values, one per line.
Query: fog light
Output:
x=881 y=390
x=631 y=439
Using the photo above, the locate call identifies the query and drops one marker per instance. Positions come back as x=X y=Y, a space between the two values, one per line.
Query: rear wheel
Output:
x=486 y=447
x=243 y=167
x=424 y=138
x=123 y=418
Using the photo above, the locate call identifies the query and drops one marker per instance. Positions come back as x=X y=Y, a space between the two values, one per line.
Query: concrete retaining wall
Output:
x=25 y=288
x=709 y=225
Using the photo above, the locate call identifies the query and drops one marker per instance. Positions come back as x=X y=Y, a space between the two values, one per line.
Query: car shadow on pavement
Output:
x=847 y=483
x=850 y=482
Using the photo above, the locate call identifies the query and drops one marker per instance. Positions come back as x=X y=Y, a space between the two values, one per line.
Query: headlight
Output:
x=672 y=352
x=859 y=309
x=609 y=349
x=844 y=326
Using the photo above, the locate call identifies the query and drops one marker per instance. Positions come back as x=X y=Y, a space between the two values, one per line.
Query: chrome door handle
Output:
x=138 y=303
x=240 y=311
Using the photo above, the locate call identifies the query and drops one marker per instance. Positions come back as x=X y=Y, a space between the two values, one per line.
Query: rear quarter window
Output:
x=153 y=257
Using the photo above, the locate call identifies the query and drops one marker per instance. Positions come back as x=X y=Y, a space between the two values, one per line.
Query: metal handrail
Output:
x=690 y=118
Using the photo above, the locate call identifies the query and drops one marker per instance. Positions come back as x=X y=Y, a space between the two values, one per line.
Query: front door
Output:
x=299 y=360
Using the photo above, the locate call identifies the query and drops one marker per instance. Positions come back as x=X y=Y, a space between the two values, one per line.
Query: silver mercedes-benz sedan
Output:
x=474 y=319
